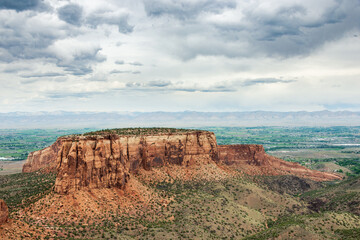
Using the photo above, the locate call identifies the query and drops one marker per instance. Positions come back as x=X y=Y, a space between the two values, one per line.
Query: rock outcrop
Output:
x=43 y=159
x=107 y=160
x=253 y=160
x=4 y=212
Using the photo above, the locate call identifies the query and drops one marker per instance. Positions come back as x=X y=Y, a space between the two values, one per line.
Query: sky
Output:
x=170 y=55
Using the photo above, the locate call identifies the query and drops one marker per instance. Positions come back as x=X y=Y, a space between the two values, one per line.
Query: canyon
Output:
x=107 y=159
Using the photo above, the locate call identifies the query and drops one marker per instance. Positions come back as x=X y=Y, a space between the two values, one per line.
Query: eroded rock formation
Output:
x=43 y=159
x=4 y=212
x=107 y=160
x=253 y=160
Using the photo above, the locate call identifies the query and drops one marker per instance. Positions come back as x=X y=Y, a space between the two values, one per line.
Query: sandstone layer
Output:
x=43 y=159
x=253 y=160
x=4 y=212
x=107 y=160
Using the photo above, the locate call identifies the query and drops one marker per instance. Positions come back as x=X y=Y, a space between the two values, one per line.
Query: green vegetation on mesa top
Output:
x=16 y=144
x=138 y=131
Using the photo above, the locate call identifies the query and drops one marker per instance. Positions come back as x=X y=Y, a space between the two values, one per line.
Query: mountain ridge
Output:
x=66 y=119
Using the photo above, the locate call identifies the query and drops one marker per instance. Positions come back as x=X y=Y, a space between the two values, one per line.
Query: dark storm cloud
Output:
x=71 y=13
x=22 y=5
x=120 y=19
x=284 y=21
x=22 y=40
x=19 y=41
x=283 y=30
x=5 y=56
x=185 y=9
x=81 y=63
x=289 y=31
x=29 y=35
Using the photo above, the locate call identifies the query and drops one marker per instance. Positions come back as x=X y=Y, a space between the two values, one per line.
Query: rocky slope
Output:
x=253 y=160
x=4 y=212
x=106 y=159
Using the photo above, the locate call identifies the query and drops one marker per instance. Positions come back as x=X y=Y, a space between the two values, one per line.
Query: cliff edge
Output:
x=106 y=159
x=253 y=160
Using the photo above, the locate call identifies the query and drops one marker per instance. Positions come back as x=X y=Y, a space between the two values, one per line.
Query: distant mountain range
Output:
x=62 y=119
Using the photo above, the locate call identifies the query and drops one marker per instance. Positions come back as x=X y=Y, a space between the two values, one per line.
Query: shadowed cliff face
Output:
x=106 y=161
x=4 y=212
x=253 y=160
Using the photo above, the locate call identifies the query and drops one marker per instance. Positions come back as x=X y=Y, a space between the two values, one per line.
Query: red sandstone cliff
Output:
x=103 y=161
x=253 y=160
x=41 y=159
x=4 y=212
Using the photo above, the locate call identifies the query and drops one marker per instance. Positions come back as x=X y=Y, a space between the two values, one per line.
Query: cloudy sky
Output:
x=170 y=55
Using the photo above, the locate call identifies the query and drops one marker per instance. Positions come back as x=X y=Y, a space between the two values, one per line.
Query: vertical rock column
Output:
x=93 y=163
x=4 y=212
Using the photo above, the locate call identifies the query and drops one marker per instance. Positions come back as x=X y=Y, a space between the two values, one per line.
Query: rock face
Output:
x=42 y=159
x=4 y=212
x=253 y=160
x=106 y=161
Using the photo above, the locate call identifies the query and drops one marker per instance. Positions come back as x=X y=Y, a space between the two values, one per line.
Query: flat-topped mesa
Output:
x=253 y=160
x=98 y=161
x=106 y=158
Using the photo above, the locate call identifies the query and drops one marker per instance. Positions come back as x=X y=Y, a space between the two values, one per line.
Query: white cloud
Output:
x=198 y=55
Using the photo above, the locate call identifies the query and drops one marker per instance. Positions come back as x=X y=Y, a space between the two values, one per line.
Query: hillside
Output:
x=237 y=207
x=162 y=184
x=343 y=196
x=63 y=119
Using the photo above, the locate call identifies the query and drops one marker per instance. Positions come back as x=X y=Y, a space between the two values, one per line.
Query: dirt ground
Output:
x=11 y=167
